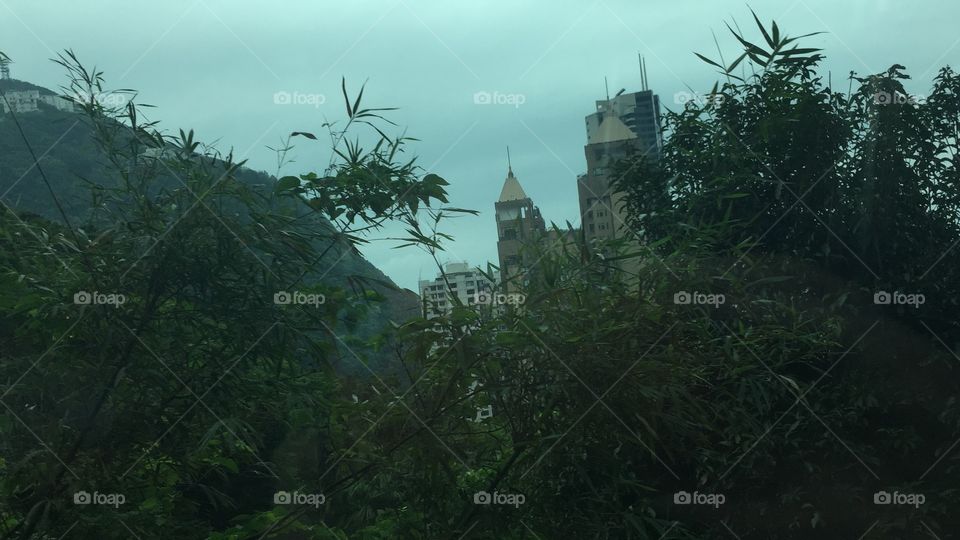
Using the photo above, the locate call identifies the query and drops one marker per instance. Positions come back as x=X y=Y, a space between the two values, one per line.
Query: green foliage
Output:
x=590 y=405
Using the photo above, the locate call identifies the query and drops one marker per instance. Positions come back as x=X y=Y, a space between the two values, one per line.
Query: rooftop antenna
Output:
x=607 y=87
x=643 y=73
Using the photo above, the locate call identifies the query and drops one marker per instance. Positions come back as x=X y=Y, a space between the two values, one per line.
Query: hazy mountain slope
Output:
x=70 y=159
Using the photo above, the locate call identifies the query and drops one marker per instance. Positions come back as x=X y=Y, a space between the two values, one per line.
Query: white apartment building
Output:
x=464 y=281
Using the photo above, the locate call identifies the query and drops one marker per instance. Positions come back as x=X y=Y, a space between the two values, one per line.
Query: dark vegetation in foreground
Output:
x=797 y=399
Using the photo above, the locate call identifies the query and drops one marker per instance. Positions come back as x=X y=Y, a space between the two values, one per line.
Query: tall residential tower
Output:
x=623 y=125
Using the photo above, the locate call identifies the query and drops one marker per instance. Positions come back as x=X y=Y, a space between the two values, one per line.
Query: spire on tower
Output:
x=509 y=165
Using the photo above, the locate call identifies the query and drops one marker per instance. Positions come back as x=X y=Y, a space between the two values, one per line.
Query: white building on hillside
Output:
x=25 y=101
x=60 y=103
x=21 y=101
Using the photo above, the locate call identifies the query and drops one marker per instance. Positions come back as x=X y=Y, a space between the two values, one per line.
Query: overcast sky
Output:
x=216 y=66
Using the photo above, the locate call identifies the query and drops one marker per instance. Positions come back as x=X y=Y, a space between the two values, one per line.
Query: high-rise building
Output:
x=467 y=283
x=518 y=223
x=621 y=126
x=639 y=111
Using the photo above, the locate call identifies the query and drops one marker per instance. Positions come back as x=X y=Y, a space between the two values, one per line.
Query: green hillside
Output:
x=73 y=163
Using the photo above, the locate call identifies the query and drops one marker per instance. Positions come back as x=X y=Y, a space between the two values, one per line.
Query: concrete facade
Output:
x=518 y=222
x=623 y=125
x=26 y=101
x=464 y=281
x=21 y=101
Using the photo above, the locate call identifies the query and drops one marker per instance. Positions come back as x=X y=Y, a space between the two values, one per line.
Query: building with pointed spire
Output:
x=518 y=222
